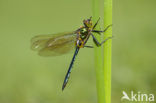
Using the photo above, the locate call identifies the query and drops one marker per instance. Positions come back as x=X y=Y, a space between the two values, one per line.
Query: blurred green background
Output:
x=26 y=77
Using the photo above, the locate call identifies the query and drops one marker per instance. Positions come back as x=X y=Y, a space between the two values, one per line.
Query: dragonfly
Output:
x=62 y=43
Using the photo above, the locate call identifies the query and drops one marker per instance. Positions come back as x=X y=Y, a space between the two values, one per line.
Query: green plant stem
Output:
x=98 y=55
x=107 y=50
x=103 y=55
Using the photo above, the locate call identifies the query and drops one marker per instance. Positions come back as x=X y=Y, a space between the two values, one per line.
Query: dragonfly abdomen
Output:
x=69 y=70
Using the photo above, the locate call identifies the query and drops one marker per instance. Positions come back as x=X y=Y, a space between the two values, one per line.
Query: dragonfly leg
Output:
x=89 y=46
x=96 y=23
x=97 y=42
x=100 y=31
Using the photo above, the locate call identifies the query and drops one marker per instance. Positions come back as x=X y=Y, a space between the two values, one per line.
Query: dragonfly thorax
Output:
x=83 y=33
x=83 y=30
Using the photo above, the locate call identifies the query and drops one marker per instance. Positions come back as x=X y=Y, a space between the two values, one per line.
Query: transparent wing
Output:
x=53 y=44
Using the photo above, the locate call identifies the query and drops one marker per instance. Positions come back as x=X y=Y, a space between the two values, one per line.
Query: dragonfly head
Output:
x=88 y=23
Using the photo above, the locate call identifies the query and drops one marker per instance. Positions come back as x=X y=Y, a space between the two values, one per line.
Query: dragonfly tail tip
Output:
x=63 y=86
